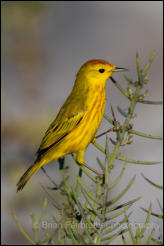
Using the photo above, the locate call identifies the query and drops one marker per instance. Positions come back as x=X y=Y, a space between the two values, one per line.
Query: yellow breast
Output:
x=81 y=136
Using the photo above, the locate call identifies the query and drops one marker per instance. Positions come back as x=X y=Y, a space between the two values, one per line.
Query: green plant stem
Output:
x=68 y=193
x=83 y=216
x=113 y=155
x=126 y=123
x=95 y=205
x=106 y=178
x=106 y=189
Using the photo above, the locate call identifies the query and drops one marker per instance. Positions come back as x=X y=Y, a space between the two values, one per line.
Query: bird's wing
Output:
x=58 y=130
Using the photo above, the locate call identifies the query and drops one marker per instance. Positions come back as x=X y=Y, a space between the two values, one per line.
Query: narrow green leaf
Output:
x=66 y=188
x=45 y=203
x=111 y=238
x=113 y=228
x=108 y=119
x=129 y=160
x=146 y=67
x=77 y=236
x=123 y=192
x=22 y=230
x=35 y=228
x=42 y=214
x=150 y=236
x=146 y=221
x=74 y=241
x=160 y=205
x=107 y=161
x=144 y=134
x=122 y=205
x=100 y=163
x=130 y=232
x=122 y=158
x=106 y=176
x=138 y=67
x=86 y=192
x=83 y=216
x=160 y=216
x=54 y=203
x=150 y=102
x=121 y=111
x=99 y=147
x=60 y=237
x=67 y=232
x=119 y=87
x=152 y=183
x=110 y=217
x=119 y=177
x=107 y=148
x=41 y=219
x=128 y=79
x=91 y=205
x=137 y=235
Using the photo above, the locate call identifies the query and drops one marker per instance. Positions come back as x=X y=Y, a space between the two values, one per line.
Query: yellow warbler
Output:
x=78 y=120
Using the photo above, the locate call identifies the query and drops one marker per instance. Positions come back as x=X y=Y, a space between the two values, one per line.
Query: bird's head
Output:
x=98 y=70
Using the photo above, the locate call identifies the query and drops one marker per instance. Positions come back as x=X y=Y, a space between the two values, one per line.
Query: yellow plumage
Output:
x=78 y=120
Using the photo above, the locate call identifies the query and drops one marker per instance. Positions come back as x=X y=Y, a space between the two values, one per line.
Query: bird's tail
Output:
x=28 y=174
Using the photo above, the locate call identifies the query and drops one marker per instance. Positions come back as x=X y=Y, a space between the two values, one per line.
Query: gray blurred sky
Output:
x=65 y=35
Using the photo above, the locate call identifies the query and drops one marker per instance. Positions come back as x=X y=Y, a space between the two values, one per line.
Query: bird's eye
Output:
x=101 y=70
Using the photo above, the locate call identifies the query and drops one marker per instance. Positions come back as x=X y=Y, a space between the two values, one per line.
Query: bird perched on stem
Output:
x=78 y=119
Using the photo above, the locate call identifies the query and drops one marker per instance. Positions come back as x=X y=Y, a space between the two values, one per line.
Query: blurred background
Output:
x=44 y=43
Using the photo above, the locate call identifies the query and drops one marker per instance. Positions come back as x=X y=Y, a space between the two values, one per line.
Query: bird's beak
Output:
x=119 y=69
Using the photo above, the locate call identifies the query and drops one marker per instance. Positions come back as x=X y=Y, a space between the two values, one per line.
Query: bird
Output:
x=78 y=120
